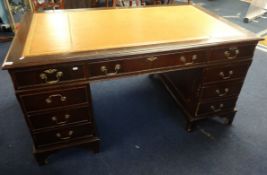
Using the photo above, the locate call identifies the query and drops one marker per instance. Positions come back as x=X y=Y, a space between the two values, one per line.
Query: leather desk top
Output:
x=68 y=32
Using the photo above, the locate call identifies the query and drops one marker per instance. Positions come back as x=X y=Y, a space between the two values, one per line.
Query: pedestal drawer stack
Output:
x=215 y=90
x=58 y=114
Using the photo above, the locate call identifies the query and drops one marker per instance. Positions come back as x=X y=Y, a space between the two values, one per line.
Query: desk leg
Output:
x=189 y=126
x=229 y=118
x=41 y=158
x=42 y=155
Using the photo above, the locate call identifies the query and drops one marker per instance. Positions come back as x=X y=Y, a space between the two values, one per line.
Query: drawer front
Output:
x=228 y=72
x=117 y=67
x=215 y=107
x=182 y=58
x=221 y=90
x=63 y=135
x=47 y=76
x=148 y=63
x=60 y=118
x=53 y=99
x=232 y=53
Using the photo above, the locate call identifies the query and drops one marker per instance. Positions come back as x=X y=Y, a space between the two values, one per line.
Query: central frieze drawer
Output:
x=47 y=76
x=53 y=99
x=221 y=90
x=60 y=118
x=63 y=135
x=146 y=63
x=226 y=72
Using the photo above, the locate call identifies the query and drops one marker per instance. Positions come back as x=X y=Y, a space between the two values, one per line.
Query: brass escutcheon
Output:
x=152 y=59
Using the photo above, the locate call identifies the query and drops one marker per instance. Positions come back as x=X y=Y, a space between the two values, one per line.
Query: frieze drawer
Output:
x=146 y=63
x=53 y=99
x=221 y=90
x=60 y=118
x=215 y=107
x=232 y=53
x=47 y=76
x=226 y=72
x=63 y=135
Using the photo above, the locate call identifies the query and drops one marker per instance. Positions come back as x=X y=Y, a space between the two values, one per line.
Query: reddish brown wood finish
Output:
x=34 y=76
x=231 y=71
x=54 y=90
x=208 y=94
x=145 y=63
x=214 y=107
x=60 y=118
x=62 y=135
x=232 y=52
x=226 y=89
x=49 y=100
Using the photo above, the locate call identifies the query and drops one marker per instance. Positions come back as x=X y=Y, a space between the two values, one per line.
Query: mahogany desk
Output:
x=201 y=58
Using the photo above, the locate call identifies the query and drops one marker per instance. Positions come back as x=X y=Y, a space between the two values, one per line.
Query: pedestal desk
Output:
x=201 y=59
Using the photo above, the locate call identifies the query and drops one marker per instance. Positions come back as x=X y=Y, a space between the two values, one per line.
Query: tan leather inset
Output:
x=73 y=31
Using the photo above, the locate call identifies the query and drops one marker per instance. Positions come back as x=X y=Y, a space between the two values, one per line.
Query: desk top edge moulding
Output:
x=60 y=33
x=200 y=58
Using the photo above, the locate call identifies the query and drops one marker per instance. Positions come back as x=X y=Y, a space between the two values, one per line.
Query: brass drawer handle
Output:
x=221 y=94
x=59 y=135
x=66 y=117
x=104 y=69
x=232 y=53
x=44 y=76
x=152 y=59
x=218 y=109
x=184 y=60
x=50 y=98
x=223 y=76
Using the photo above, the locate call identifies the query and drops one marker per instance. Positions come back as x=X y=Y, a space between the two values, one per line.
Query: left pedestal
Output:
x=58 y=115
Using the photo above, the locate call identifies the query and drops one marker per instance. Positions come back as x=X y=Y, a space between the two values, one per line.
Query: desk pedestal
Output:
x=205 y=92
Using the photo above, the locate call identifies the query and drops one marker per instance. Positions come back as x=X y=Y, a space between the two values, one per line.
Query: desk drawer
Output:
x=60 y=118
x=179 y=59
x=47 y=76
x=226 y=72
x=117 y=67
x=63 y=135
x=232 y=53
x=215 y=107
x=53 y=99
x=221 y=90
